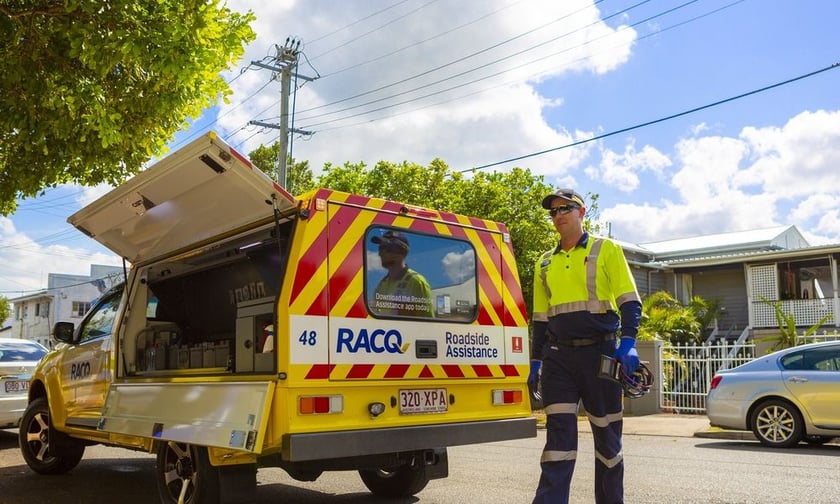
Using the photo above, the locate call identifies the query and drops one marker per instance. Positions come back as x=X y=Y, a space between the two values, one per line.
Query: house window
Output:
x=45 y=309
x=80 y=308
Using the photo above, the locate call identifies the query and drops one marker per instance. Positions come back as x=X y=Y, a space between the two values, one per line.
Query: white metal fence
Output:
x=687 y=371
x=801 y=339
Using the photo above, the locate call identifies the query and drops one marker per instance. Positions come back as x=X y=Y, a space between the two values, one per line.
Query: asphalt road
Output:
x=659 y=469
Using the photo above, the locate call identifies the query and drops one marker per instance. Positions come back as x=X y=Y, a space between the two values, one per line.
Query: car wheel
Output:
x=184 y=474
x=778 y=424
x=34 y=439
x=403 y=481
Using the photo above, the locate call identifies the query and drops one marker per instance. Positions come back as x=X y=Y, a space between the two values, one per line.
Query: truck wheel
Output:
x=402 y=481
x=184 y=474
x=34 y=439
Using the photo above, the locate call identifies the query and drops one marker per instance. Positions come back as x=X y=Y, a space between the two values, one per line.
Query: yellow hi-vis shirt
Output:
x=579 y=286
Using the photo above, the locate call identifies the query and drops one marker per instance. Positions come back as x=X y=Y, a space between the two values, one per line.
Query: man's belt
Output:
x=580 y=342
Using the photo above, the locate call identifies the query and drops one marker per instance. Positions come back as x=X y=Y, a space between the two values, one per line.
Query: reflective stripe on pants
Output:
x=569 y=376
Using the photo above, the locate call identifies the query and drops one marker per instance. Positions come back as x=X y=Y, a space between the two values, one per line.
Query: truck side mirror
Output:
x=63 y=331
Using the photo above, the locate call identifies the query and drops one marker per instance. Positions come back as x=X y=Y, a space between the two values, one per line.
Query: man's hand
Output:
x=627 y=355
x=534 y=376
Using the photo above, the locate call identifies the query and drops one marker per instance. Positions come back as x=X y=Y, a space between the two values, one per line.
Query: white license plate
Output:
x=423 y=401
x=16 y=386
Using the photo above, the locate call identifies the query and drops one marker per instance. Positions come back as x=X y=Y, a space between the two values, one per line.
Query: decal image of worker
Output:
x=402 y=291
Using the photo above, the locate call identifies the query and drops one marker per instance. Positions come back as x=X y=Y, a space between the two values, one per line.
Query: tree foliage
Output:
x=5 y=309
x=298 y=175
x=666 y=319
x=91 y=90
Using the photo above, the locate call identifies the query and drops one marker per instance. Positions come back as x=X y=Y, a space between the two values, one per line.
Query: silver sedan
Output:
x=18 y=358
x=784 y=397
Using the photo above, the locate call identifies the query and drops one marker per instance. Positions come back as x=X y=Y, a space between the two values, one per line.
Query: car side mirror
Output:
x=63 y=331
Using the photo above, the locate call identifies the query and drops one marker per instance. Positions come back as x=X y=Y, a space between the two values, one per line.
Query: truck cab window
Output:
x=101 y=320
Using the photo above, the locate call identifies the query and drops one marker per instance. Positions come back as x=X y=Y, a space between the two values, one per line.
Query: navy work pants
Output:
x=570 y=375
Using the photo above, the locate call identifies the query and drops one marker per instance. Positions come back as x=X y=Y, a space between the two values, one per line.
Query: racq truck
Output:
x=251 y=331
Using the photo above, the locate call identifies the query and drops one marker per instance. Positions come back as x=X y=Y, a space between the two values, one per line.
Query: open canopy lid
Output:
x=198 y=192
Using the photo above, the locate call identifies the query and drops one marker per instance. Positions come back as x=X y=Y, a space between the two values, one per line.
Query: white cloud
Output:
x=91 y=194
x=27 y=263
x=765 y=177
x=463 y=120
x=621 y=170
x=799 y=159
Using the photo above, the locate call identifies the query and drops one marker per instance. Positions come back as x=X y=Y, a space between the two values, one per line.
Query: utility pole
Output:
x=285 y=61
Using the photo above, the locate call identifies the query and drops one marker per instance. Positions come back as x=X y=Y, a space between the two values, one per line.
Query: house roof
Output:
x=751 y=257
x=767 y=244
x=775 y=238
x=28 y=297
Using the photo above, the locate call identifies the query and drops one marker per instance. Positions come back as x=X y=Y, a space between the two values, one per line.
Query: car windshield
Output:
x=19 y=352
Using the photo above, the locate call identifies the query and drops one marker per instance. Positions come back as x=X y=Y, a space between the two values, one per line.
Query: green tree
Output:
x=91 y=90
x=298 y=175
x=665 y=318
x=5 y=309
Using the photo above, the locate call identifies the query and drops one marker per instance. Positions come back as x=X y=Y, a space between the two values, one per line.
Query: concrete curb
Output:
x=666 y=424
x=726 y=434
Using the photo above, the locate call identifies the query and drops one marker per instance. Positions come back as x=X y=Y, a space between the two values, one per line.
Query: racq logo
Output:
x=375 y=341
x=80 y=370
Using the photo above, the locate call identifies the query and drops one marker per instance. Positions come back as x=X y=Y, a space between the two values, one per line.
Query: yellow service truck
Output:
x=326 y=332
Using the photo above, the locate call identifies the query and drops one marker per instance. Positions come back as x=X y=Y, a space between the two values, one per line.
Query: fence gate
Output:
x=687 y=371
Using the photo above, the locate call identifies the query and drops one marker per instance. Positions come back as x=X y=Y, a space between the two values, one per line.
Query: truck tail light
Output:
x=513 y=396
x=319 y=405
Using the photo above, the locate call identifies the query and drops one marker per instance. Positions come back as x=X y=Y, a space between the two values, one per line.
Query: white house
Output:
x=66 y=299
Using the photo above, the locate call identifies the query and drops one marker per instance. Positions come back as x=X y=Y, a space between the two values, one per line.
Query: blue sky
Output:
x=478 y=82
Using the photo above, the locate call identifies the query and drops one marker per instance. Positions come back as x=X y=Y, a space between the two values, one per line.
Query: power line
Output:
x=359 y=37
x=421 y=42
x=522 y=65
x=587 y=42
x=357 y=65
x=380 y=11
x=463 y=58
x=655 y=121
x=242 y=128
x=109 y=276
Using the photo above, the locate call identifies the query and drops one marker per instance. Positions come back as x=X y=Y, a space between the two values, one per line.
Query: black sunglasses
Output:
x=562 y=210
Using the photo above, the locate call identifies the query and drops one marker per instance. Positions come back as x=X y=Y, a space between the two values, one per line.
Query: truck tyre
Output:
x=184 y=474
x=34 y=439
x=402 y=481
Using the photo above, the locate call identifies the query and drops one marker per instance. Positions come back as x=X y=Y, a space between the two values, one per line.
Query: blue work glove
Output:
x=534 y=375
x=627 y=355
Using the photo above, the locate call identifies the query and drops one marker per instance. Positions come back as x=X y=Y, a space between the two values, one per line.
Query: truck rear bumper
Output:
x=329 y=445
